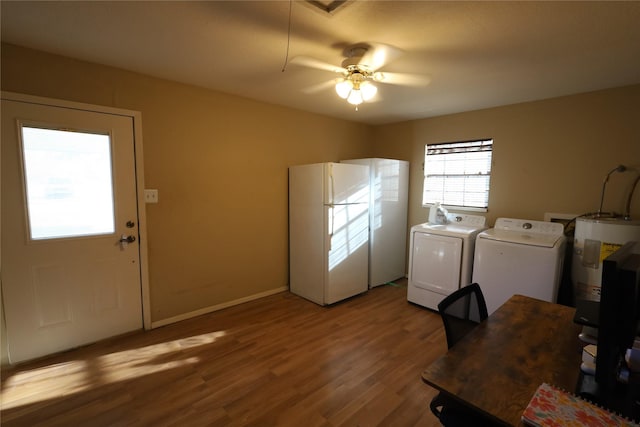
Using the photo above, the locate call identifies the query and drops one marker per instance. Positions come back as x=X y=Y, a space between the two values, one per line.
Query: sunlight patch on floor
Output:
x=63 y=379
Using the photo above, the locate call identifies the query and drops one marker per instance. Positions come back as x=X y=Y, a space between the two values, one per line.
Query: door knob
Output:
x=125 y=240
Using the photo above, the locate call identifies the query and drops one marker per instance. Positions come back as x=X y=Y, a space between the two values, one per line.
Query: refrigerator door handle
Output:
x=331 y=221
x=331 y=186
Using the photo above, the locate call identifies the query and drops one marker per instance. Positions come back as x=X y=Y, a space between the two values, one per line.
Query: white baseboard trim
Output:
x=217 y=307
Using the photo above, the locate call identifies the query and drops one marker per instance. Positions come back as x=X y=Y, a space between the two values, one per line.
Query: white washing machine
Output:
x=519 y=256
x=441 y=258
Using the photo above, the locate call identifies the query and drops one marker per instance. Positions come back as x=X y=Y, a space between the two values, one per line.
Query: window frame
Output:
x=483 y=144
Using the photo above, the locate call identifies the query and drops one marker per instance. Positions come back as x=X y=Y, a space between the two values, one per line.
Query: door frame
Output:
x=136 y=117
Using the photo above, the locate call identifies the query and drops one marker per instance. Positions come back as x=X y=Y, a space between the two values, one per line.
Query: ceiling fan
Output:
x=359 y=70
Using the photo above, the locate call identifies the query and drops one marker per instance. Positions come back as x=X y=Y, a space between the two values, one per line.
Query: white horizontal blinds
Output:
x=458 y=173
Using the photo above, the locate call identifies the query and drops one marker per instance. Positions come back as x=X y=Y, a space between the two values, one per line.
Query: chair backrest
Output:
x=461 y=311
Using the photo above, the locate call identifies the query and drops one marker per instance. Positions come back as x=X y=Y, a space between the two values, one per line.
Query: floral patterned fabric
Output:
x=553 y=407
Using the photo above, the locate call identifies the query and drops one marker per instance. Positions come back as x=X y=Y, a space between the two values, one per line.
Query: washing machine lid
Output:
x=530 y=239
x=525 y=232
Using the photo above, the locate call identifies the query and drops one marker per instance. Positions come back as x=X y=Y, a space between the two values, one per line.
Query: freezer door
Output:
x=346 y=183
x=388 y=204
x=388 y=221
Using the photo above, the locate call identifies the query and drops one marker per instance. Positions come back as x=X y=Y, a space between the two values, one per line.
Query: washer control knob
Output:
x=527 y=226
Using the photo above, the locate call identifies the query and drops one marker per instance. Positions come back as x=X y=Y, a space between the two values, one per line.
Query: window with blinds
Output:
x=457 y=174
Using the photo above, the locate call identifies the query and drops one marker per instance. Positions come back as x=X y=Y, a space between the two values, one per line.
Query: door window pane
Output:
x=68 y=183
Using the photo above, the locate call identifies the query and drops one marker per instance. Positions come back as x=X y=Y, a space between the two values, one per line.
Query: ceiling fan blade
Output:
x=320 y=87
x=379 y=54
x=306 y=61
x=401 y=79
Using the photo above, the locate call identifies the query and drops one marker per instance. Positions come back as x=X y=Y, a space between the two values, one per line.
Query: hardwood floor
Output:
x=277 y=361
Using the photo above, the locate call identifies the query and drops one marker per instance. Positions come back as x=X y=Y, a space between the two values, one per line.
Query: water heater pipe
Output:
x=619 y=168
x=627 y=211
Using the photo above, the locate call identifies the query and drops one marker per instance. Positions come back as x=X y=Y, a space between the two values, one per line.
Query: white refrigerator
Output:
x=388 y=206
x=328 y=231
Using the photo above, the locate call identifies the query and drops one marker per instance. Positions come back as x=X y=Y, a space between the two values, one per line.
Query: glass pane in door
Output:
x=68 y=181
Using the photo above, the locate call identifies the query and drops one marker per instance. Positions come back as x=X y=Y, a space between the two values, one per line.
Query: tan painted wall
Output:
x=220 y=163
x=219 y=232
x=549 y=156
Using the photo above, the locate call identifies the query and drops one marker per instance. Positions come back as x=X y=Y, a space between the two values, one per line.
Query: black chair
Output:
x=461 y=311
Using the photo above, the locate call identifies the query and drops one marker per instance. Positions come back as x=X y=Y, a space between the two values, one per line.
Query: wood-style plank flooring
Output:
x=277 y=361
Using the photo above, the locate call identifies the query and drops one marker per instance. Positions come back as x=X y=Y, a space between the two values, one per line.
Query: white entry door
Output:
x=70 y=256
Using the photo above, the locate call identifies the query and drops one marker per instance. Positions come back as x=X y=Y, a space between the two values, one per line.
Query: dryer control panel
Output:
x=464 y=219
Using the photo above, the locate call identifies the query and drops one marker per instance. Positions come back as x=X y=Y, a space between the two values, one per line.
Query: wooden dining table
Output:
x=498 y=366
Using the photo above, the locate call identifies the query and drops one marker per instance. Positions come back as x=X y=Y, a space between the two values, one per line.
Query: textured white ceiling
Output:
x=475 y=54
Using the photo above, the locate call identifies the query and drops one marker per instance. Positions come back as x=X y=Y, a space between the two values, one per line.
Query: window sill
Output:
x=459 y=208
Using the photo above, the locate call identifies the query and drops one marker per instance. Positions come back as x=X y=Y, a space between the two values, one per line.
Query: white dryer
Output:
x=519 y=256
x=441 y=258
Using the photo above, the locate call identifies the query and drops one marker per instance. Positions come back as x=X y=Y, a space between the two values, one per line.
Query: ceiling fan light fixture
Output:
x=356 y=88
x=343 y=88
x=355 y=97
x=368 y=90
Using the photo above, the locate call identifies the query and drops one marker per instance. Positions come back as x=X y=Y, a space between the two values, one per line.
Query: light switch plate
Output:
x=151 y=196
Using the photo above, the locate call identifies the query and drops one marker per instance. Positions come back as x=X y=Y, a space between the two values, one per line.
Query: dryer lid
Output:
x=453 y=230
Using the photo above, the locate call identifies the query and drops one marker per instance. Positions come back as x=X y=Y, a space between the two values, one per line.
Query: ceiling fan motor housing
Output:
x=354 y=56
